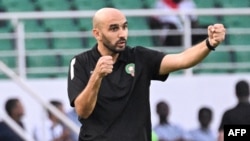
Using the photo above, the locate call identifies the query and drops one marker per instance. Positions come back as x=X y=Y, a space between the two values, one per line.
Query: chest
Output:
x=119 y=82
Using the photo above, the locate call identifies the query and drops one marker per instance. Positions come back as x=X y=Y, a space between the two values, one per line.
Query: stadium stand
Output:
x=233 y=3
x=10 y=61
x=206 y=20
x=67 y=43
x=85 y=24
x=127 y=4
x=148 y=3
x=60 y=25
x=37 y=44
x=53 y=5
x=17 y=5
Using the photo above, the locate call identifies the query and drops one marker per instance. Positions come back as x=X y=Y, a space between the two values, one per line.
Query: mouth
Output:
x=121 y=43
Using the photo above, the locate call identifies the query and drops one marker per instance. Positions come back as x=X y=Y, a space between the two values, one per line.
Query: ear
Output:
x=96 y=33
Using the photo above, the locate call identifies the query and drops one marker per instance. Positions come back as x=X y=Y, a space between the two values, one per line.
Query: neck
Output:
x=106 y=52
x=203 y=128
x=243 y=100
x=15 y=118
x=163 y=121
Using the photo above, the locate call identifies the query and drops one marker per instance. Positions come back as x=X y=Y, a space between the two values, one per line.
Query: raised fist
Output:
x=104 y=66
x=216 y=34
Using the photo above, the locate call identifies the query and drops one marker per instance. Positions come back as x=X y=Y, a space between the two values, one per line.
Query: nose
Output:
x=123 y=33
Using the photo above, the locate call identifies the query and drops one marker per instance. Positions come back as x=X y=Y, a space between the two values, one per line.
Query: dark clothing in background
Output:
x=7 y=134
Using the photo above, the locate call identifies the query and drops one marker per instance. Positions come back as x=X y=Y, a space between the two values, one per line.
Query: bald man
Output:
x=109 y=84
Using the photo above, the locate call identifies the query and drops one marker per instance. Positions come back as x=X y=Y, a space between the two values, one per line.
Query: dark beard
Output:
x=111 y=48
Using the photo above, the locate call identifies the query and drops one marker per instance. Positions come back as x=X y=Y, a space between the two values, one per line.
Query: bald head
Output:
x=106 y=15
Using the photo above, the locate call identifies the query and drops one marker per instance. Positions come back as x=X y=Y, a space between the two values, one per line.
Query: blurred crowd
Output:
x=53 y=129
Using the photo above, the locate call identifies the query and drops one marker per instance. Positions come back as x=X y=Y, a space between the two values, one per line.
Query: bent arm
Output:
x=86 y=100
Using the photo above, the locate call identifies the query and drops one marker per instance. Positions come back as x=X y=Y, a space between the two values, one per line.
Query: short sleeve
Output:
x=152 y=59
x=77 y=79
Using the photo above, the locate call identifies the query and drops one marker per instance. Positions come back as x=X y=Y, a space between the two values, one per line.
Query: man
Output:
x=165 y=130
x=109 y=84
x=15 y=110
x=240 y=114
x=73 y=116
x=203 y=133
x=52 y=129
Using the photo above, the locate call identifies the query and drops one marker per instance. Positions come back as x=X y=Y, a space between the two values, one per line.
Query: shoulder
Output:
x=140 y=50
x=3 y=125
x=229 y=112
x=82 y=57
x=83 y=54
x=194 y=131
x=176 y=126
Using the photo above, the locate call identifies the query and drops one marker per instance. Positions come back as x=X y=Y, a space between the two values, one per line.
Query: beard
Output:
x=113 y=47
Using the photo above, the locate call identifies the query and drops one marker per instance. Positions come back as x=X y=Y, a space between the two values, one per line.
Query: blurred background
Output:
x=39 y=37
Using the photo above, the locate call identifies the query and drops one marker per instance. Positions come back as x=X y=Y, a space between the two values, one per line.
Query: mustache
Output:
x=121 y=40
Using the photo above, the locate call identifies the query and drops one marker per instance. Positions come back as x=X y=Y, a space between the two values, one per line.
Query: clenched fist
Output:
x=104 y=66
x=216 y=34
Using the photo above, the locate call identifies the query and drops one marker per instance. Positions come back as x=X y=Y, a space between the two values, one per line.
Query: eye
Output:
x=113 y=28
x=125 y=26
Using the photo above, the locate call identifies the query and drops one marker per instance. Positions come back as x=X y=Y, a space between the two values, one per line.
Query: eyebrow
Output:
x=117 y=24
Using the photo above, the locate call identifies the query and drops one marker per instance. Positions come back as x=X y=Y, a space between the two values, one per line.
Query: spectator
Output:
x=240 y=114
x=189 y=5
x=203 y=133
x=52 y=129
x=174 y=22
x=73 y=116
x=15 y=110
x=165 y=130
x=167 y=22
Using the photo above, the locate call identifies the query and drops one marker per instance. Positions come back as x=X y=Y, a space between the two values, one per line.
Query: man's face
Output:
x=114 y=34
x=163 y=110
x=18 y=111
x=205 y=119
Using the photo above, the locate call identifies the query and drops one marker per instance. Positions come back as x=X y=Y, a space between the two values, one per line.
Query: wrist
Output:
x=209 y=46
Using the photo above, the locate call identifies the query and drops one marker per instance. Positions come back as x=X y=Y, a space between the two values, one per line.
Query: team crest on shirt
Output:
x=130 y=69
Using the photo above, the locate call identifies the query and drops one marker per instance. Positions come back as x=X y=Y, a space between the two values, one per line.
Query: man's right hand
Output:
x=104 y=66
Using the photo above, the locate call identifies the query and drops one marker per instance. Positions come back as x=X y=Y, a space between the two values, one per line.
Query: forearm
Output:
x=194 y=55
x=221 y=136
x=86 y=101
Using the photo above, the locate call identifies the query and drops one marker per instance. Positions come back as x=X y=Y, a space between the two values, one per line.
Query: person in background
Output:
x=73 y=116
x=240 y=114
x=15 y=110
x=189 y=5
x=166 y=23
x=203 y=133
x=165 y=130
x=52 y=129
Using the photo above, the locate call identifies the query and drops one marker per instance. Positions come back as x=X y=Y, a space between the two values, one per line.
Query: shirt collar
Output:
x=123 y=56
